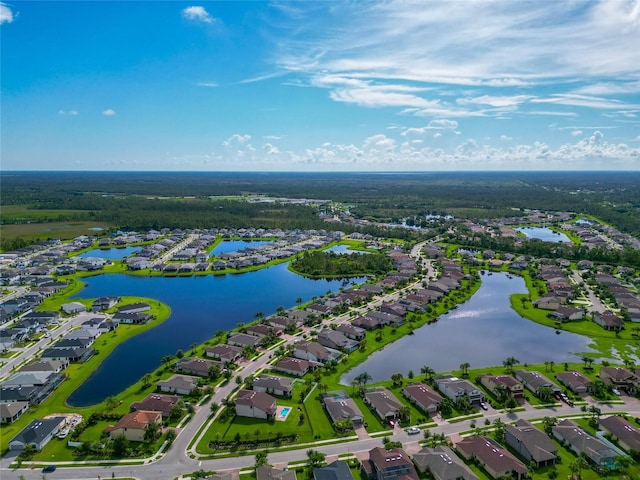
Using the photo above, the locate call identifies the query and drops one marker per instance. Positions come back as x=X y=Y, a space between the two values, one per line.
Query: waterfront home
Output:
x=442 y=464
x=196 y=366
x=351 y=331
x=548 y=302
x=104 y=303
x=383 y=402
x=11 y=411
x=224 y=352
x=620 y=378
x=388 y=465
x=338 y=470
x=574 y=381
x=367 y=323
x=133 y=425
x=580 y=442
x=244 y=340
x=72 y=354
x=506 y=383
x=340 y=407
x=336 y=340
x=261 y=330
x=250 y=403
x=38 y=433
x=423 y=397
x=626 y=434
x=30 y=395
x=495 y=460
x=180 y=384
x=313 y=352
x=534 y=381
x=273 y=385
x=608 y=321
x=456 y=388
x=55 y=366
x=138 y=307
x=157 y=402
x=531 y=443
x=131 y=318
x=267 y=472
x=284 y=322
x=565 y=314
x=293 y=366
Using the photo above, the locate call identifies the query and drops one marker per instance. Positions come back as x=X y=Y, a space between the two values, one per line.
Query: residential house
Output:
x=620 y=378
x=133 y=425
x=389 y=465
x=340 y=407
x=196 y=366
x=580 y=442
x=534 y=381
x=548 y=302
x=253 y=404
x=73 y=308
x=336 y=340
x=566 y=314
x=157 y=402
x=38 y=433
x=574 y=381
x=495 y=383
x=137 y=307
x=442 y=464
x=495 y=460
x=351 y=331
x=11 y=411
x=44 y=317
x=423 y=397
x=456 y=388
x=273 y=385
x=180 y=384
x=243 y=340
x=338 y=470
x=224 y=352
x=531 y=443
x=267 y=472
x=367 y=323
x=626 y=434
x=31 y=395
x=293 y=366
x=314 y=352
x=132 y=318
x=55 y=366
x=71 y=354
x=261 y=330
x=383 y=402
x=104 y=303
x=608 y=321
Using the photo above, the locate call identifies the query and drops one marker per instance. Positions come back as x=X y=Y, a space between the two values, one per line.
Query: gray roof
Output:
x=338 y=470
x=533 y=440
x=443 y=464
x=269 y=473
x=38 y=430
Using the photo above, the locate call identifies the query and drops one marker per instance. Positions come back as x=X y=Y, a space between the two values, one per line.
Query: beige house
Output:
x=133 y=425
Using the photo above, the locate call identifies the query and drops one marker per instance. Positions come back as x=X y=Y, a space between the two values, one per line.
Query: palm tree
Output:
x=404 y=413
x=509 y=363
x=428 y=372
x=465 y=368
x=166 y=360
x=299 y=301
x=397 y=379
x=576 y=467
x=146 y=380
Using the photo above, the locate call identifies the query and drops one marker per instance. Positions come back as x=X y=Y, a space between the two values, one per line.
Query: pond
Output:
x=483 y=332
x=200 y=305
x=229 y=246
x=344 y=249
x=545 y=234
x=110 y=253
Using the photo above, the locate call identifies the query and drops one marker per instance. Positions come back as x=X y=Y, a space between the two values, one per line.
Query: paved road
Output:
x=596 y=303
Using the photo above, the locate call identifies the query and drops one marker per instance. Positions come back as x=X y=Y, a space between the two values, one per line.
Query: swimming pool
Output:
x=284 y=412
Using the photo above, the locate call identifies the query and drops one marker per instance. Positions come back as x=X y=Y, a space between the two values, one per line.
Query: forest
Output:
x=331 y=264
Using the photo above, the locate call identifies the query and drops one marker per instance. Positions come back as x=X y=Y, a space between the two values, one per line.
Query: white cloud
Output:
x=109 y=113
x=207 y=84
x=496 y=101
x=6 y=15
x=442 y=124
x=505 y=138
x=576 y=133
x=609 y=88
x=197 y=13
x=71 y=113
x=273 y=137
x=583 y=101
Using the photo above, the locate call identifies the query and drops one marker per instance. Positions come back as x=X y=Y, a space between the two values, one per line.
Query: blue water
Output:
x=111 y=254
x=484 y=331
x=544 y=234
x=200 y=305
x=234 y=245
x=284 y=412
x=344 y=249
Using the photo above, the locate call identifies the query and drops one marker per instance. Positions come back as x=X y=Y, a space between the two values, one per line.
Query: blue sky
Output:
x=320 y=86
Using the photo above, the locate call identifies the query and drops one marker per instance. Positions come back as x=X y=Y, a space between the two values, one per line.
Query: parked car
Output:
x=49 y=469
x=413 y=430
x=483 y=406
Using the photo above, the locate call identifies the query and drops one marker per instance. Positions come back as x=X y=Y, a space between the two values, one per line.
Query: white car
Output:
x=413 y=430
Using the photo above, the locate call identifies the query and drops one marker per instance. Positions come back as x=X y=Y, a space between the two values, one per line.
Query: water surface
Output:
x=110 y=253
x=545 y=234
x=483 y=332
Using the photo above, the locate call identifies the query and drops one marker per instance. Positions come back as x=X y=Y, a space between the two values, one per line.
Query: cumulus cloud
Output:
x=576 y=133
x=505 y=138
x=109 y=112
x=6 y=15
x=197 y=13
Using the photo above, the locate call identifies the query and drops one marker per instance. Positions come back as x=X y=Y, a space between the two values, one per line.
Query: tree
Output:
x=545 y=393
x=576 y=467
x=146 y=380
x=548 y=423
x=465 y=369
x=261 y=459
x=499 y=429
x=119 y=446
x=110 y=403
x=404 y=413
x=179 y=354
x=170 y=436
x=397 y=379
x=428 y=372
x=315 y=458
x=152 y=432
x=509 y=363
x=166 y=360
x=587 y=362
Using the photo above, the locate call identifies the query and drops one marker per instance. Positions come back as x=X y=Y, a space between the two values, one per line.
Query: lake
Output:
x=200 y=305
x=111 y=253
x=545 y=234
x=484 y=331
x=229 y=246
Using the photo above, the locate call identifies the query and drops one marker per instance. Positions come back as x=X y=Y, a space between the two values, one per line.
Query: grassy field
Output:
x=43 y=231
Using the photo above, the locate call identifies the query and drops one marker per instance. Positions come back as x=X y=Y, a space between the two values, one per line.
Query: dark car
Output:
x=49 y=468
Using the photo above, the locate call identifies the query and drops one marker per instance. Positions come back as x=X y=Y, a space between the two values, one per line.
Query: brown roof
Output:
x=261 y=400
x=491 y=454
x=292 y=364
x=138 y=420
x=625 y=431
x=422 y=394
x=156 y=402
